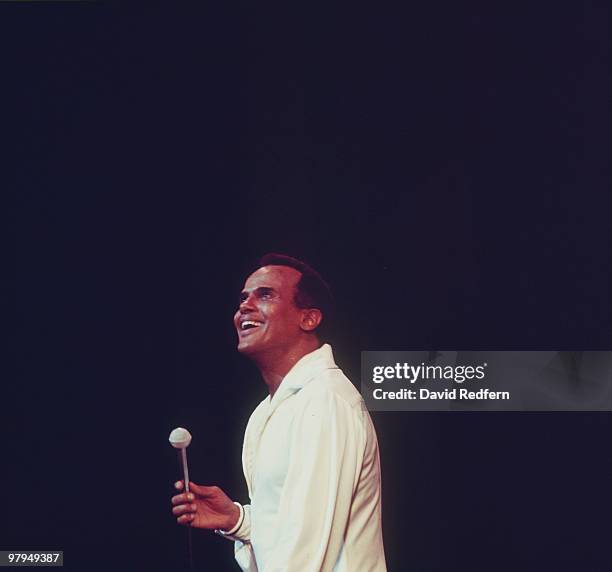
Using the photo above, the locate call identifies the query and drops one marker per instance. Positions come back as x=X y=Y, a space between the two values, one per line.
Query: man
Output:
x=310 y=455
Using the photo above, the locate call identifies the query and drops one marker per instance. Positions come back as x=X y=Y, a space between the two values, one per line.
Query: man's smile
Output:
x=248 y=326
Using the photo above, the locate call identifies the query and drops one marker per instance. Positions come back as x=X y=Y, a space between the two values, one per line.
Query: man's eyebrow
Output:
x=259 y=290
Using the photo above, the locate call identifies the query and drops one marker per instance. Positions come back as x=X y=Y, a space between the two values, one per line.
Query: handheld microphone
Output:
x=180 y=439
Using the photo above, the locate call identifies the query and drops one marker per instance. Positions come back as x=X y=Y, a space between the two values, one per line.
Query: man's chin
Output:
x=246 y=348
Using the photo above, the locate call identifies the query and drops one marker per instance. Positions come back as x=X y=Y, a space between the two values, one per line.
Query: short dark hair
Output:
x=311 y=291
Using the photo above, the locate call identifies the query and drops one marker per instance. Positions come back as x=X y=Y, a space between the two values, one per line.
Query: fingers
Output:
x=179 y=485
x=182 y=498
x=184 y=509
x=186 y=518
x=185 y=513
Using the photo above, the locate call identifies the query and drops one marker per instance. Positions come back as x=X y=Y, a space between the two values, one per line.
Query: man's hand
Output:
x=204 y=507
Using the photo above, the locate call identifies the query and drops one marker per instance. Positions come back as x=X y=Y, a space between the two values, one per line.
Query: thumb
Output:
x=199 y=489
x=180 y=485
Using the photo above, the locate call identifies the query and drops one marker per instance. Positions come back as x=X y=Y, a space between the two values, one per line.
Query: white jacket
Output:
x=311 y=463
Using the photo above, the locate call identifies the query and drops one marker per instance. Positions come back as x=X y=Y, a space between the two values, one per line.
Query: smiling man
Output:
x=310 y=454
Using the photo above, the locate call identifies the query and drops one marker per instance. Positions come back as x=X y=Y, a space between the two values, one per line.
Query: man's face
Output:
x=267 y=317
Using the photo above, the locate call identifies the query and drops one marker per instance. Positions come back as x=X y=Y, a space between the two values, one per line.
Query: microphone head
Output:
x=180 y=438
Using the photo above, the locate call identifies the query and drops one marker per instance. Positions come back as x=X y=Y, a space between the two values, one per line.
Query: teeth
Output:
x=246 y=323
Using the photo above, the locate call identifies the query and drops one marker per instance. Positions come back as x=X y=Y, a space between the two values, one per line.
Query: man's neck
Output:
x=275 y=365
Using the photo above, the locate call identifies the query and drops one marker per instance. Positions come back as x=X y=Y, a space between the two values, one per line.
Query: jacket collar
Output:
x=303 y=372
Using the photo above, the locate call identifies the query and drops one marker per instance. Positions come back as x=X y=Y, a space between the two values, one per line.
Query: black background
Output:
x=445 y=166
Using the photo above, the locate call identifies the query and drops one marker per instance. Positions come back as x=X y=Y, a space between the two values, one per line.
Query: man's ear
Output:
x=311 y=318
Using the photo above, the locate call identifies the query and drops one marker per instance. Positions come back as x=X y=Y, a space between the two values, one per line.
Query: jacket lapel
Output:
x=304 y=371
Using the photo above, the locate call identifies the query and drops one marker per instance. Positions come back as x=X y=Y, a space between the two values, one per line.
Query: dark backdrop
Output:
x=445 y=166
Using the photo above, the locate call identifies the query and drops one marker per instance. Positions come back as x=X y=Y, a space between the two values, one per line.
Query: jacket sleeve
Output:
x=243 y=551
x=326 y=454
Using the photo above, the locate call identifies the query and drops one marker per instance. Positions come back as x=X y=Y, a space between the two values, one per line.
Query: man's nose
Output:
x=247 y=304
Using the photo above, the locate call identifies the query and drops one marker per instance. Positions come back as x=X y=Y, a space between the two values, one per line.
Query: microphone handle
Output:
x=185 y=469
